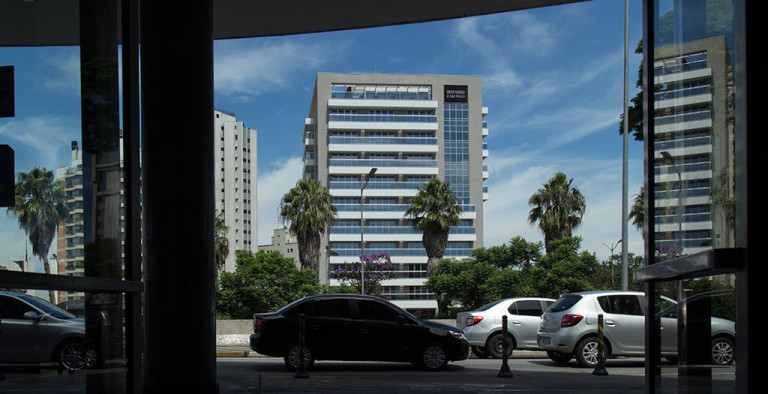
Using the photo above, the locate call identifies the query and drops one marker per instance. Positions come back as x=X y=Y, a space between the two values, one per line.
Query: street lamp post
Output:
x=362 y=261
x=610 y=260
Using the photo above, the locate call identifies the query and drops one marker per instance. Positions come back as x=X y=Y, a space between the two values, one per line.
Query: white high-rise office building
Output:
x=235 y=183
x=409 y=128
x=693 y=120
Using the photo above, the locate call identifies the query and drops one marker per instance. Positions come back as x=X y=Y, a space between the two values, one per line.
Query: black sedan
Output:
x=355 y=327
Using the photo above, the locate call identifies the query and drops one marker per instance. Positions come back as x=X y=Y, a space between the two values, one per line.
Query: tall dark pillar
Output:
x=178 y=204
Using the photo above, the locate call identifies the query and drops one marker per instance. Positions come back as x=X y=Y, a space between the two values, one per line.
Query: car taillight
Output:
x=472 y=320
x=259 y=324
x=570 y=320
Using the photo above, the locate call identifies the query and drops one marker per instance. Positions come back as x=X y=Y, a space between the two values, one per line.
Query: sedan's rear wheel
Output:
x=433 y=356
x=495 y=345
x=587 y=352
x=722 y=351
x=293 y=355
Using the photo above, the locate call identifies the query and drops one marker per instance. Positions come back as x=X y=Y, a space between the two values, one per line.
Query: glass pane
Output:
x=694 y=123
x=41 y=340
x=698 y=333
x=67 y=144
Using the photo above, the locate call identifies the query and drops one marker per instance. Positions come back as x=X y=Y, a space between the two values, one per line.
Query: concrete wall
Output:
x=238 y=332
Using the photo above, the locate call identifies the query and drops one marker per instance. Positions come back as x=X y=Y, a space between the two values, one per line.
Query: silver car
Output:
x=569 y=328
x=483 y=327
x=35 y=331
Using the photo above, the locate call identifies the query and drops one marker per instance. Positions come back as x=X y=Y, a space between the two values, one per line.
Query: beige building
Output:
x=285 y=243
x=235 y=183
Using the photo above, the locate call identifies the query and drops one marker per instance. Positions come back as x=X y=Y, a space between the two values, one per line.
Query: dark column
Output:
x=178 y=205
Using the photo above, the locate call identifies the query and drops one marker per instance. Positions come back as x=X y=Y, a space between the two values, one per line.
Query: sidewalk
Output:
x=243 y=351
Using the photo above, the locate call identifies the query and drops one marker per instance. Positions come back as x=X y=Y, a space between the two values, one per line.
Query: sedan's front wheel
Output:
x=433 y=356
x=73 y=355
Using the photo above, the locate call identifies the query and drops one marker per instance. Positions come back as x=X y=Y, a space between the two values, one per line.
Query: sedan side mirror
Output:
x=400 y=320
x=32 y=315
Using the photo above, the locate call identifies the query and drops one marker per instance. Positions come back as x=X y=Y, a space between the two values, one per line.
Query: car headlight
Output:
x=459 y=335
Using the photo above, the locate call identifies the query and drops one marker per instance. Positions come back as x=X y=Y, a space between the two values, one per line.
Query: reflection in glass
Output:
x=693 y=128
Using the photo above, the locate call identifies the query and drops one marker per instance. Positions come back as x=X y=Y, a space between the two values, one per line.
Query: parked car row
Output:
x=354 y=327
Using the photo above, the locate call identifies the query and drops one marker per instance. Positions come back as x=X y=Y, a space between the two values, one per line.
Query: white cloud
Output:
x=272 y=185
x=41 y=141
x=64 y=76
x=246 y=68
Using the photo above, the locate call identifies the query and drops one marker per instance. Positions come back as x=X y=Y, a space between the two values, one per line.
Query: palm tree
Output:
x=637 y=213
x=558 y=208
x=221 y=242
x=308 y=210
x=40 y=206
x=434 y=210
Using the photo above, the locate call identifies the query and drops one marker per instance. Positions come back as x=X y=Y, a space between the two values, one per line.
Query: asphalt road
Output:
x=269 y=375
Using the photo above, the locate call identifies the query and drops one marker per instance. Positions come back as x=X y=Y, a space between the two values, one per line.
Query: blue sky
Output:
x=552 y=81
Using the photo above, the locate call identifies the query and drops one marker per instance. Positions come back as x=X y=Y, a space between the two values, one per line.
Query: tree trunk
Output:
x=47 y=267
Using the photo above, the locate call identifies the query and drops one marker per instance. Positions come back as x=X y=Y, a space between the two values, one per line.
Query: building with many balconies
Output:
x=235 y=183
x=408 y=128
x=694 y=145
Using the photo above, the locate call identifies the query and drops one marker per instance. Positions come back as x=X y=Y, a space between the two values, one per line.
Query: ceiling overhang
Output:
x=55 y=22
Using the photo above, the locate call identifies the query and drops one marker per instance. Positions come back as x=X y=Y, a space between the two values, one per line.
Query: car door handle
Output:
x=314 y=327
x=610 y=323
x=517 y=322
x=365 y=330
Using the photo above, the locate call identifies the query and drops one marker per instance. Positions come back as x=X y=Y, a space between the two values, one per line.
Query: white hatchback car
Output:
x=483 y=327
x=569 y=328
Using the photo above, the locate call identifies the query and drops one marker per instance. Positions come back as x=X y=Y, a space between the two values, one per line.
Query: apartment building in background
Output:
x=408 y=128
x=235 y=183
x=694 y=145
x=285 y=243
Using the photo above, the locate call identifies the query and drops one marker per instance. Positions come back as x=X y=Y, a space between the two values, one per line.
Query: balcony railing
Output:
x=382 y=118
x=382 y=163
x=386 y=207
x=384 y=140
x=392 y=230
x=383 y=95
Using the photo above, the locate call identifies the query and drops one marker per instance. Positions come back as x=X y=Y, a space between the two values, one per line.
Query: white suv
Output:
x=569 y=328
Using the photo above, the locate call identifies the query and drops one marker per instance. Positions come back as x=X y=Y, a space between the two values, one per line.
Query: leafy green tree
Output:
x=39 y=207
x=433 y=211
x=517 y=253
x=221 y=241
x=262 y=282
x=309 y=211
x=460 y=283
x=564 y=269
x=558 y=208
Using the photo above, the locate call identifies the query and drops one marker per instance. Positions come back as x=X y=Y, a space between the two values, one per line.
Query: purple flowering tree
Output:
x=378 y=267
